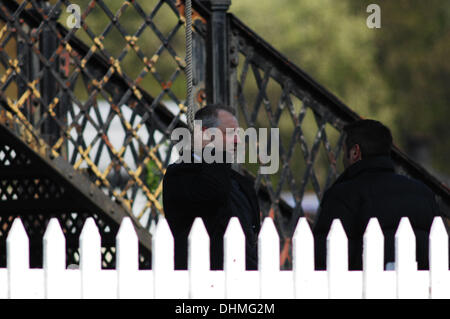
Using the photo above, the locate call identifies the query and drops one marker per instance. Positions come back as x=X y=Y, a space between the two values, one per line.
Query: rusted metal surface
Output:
x=196 y=16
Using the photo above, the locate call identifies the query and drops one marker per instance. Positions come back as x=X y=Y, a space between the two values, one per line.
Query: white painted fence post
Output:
x=234 y=260
x=372 y=282
x=90 y=260
x=376 y=282
x=269 y=259
x=198 y=260
x=439 y=273
x=339 y=285
x=307 y=282
x=55 y=261
x=405 y=258
x=409 y=283
x=163 y=260
x=127 y=260
x=18 y=261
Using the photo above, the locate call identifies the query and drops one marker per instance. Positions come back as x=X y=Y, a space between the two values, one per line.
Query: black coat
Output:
x=371 y=188
x=203 y=190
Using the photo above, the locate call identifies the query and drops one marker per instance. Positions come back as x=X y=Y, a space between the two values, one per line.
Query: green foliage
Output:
x=415 y=61
x=154 y=176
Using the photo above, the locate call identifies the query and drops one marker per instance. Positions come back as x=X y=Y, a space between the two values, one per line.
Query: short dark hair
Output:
x=373 y=138
x=208 y=114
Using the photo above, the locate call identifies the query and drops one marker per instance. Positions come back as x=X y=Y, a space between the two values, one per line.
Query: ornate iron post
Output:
x=48 y=44
x=217 y=60
x=29 y=68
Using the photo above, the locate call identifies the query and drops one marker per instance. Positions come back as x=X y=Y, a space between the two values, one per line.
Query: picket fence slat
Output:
x=54 y=280
x=90 y=260
x=234 y=259
x=163 y=261
x=17 y=258
x=308 y=283
x=410 y=283
x=337 y=265
x=4 y=283
x=268 y=259
x=377 y=283
x=439 y=258
x=95 y=282
x=54 y=262
x=198 y=260
x=127 y=260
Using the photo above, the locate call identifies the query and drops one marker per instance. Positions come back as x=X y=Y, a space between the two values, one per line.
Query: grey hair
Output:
x=209 y=114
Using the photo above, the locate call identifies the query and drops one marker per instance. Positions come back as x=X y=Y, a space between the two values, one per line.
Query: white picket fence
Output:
x=127 y=281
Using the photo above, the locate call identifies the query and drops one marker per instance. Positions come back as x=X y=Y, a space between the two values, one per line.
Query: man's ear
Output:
x=355 y=153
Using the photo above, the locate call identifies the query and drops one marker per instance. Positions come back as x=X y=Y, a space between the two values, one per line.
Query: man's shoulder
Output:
x=413 y=184
x=181 y=166
x=371 y=182
x=175 y=170
x=240 y=176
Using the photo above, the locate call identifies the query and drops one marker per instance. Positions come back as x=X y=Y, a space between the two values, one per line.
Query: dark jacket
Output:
x=204 y=190
x=371 y=188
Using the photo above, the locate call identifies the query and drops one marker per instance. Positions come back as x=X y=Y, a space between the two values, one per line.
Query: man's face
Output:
x=228 y=121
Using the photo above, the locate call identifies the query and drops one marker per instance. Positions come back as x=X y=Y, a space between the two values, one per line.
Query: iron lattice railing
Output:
x=106 y=96
x=71 y=90
x=82 y=101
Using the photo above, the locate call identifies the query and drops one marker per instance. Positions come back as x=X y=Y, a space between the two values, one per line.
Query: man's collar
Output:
x=198 y=158
x=371 y=163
